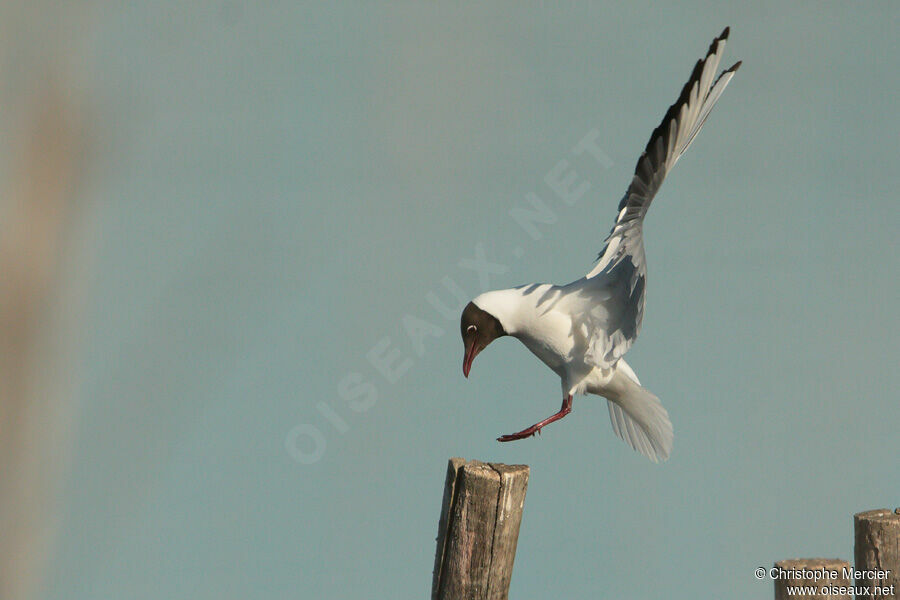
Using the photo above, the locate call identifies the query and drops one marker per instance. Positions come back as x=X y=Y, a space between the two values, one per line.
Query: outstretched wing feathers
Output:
x=621 y=266
x=676 y=131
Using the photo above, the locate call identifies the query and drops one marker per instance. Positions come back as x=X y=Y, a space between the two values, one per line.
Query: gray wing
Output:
x=614 y=288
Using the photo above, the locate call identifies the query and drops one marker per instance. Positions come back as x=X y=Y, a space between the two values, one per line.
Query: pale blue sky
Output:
x=281 y=187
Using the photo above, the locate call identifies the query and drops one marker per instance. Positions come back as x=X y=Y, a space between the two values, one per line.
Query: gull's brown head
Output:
x=478 y=328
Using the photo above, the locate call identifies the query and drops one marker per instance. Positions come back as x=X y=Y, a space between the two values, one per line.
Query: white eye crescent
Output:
x=471 y=328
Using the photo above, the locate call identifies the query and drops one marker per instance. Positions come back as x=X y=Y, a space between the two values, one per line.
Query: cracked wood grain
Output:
x=478 y=530
x=877 y=546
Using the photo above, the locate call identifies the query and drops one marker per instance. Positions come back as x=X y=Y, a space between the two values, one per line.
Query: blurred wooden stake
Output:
x=33 y=407
x=478 y=530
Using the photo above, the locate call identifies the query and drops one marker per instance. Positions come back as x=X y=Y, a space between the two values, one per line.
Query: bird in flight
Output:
x=583 y=329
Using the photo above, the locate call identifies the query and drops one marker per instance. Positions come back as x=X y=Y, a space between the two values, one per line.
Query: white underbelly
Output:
x=553 y=339
x=566 y=361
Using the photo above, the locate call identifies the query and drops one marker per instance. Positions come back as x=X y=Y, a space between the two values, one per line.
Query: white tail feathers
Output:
x=639 y=418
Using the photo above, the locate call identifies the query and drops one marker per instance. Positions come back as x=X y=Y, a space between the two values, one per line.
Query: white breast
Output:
x=537 y=315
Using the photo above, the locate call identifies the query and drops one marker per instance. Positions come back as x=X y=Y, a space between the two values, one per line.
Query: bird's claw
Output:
x=511 y=437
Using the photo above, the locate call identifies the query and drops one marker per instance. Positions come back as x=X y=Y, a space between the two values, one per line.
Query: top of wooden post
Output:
x=878 y=514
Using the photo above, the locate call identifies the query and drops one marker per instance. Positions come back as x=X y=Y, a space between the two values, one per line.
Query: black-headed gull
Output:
x=583 y=329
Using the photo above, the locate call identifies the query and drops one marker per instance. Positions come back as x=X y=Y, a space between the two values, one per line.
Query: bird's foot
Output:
x=565 y=409
x=521 y=435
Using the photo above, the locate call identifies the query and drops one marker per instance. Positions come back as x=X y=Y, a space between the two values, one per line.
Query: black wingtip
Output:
x=662 y=129
x=734 y=67
x=714 y=46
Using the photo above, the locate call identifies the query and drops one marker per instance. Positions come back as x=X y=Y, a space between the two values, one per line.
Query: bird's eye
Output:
x=471 y=328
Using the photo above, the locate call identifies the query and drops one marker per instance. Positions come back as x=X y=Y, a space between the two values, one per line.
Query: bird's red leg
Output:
x=565 y=409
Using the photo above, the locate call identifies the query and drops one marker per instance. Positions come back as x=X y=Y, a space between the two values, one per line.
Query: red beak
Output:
x=471 y=352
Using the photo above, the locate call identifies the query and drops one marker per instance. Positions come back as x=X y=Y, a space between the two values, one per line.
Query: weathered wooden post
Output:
x=478 y=530
x=876 y=550
x=826 y=575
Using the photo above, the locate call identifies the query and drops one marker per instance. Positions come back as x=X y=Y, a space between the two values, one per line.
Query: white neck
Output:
x=514 y=308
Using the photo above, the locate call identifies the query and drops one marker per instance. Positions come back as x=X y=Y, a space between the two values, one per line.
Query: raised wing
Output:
x=615 y=286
